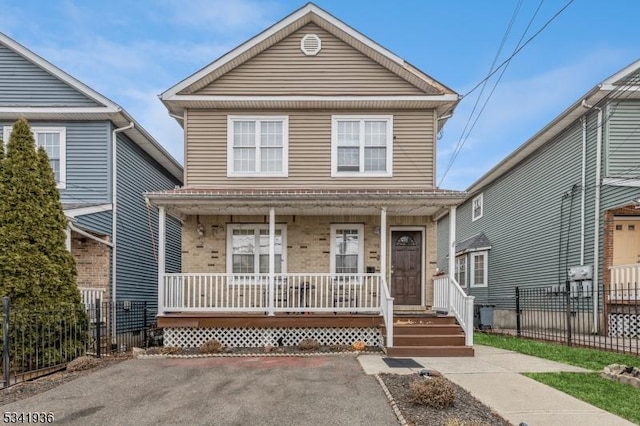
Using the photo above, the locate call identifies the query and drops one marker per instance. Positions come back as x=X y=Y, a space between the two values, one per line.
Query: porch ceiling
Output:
x=183 y=202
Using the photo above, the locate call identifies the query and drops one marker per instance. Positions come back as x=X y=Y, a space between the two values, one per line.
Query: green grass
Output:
x=614 y=397
x=591 y=359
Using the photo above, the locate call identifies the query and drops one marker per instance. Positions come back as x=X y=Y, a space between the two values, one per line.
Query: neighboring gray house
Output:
x=103 y=162
x=567 y=197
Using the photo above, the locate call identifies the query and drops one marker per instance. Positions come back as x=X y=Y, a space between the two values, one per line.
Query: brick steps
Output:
x=427 y=335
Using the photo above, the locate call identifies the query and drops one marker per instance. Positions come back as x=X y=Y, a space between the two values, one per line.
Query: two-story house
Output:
x=309 y=188
x=103 y=161
x=568 y=197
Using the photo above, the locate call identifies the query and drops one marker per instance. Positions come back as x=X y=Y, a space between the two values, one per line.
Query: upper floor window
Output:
x=54 y=142
x=477 y=207
x=257 y=146
x=361 y=145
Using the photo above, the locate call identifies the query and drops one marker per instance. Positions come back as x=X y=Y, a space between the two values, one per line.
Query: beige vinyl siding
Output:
x=310 y=151
x=283 y=69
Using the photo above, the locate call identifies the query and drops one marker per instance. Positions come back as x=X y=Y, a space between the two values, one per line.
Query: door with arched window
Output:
x=406 y=267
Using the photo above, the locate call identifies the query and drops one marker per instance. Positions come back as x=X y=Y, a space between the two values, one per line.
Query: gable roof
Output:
x=105 y=109
x=176 y=97
x=626 y=80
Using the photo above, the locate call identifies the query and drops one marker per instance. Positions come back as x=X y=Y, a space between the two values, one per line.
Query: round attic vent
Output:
x=310 y=44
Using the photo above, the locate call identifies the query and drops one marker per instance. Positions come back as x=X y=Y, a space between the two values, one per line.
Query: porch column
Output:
x=161 y=257
x=452 y=250
x=272 y=259
x=383 y=243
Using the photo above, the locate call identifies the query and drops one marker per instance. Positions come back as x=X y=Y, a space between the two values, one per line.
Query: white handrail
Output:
x=448 y=296
x=387 y=312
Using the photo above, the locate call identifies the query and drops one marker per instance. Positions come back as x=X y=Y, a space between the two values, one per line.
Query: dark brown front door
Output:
x=406 y=267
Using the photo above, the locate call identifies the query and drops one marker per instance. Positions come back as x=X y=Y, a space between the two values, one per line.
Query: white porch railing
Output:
x=625 y=283
x=292 y=292
x=450 y=297
x=89 y=295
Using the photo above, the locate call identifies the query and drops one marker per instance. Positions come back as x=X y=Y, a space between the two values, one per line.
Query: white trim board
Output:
x=81 y=211
x=630 y=182
x=310 y=98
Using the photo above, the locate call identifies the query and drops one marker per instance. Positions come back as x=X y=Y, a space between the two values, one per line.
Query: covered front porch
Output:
x=300 y=259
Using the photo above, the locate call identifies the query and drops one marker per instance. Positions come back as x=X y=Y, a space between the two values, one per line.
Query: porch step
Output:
x=430 y=351
x=428 y=335
x=428 y=340
x=428 y=329
x=424 y=319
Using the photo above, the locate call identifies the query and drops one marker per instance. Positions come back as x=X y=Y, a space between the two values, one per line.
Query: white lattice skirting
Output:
x=624 y=325
x=259 y=337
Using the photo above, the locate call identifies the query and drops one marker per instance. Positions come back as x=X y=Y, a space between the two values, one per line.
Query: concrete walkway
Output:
x=493 y=376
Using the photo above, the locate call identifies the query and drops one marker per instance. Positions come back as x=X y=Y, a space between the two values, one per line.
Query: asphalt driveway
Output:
x=329 y=390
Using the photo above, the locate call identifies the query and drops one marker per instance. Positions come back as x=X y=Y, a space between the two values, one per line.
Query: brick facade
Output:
x=307 y=240
x=92 y=262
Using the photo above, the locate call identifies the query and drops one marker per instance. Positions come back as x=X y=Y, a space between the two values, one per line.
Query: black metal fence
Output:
x=130 y=328
x=36 y=342
x=570 y=315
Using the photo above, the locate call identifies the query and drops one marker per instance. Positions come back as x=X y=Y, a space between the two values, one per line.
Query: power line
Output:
x=520 y=48
x=463 y=138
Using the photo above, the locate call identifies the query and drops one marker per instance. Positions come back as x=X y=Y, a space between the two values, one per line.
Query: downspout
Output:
x=114 y=217
x=596 y=221
x=583 y=186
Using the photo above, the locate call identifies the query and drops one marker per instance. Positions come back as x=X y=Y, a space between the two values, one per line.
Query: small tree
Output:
x=36 y=270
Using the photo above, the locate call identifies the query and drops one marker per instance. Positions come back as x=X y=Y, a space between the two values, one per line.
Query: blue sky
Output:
x=130 y=51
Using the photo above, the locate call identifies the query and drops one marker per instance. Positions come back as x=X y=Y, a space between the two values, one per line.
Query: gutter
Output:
x=596 y=220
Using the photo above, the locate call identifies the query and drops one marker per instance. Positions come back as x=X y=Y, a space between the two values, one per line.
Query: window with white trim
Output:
x=347 y=249
x=461 y=270
x=361 y=145
x=248 y=249
x=479 y=271
x=477 y=207
x=54 y=142
x=257 y=146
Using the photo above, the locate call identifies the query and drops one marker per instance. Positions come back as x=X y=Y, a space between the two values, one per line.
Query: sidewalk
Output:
x=492 y=376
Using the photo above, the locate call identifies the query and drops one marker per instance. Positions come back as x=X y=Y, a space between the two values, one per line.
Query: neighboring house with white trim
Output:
x=309 y=187
x=567 y=197
x=103 y=161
